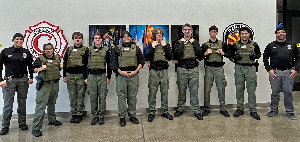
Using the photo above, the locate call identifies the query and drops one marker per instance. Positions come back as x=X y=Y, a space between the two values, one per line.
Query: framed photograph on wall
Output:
x=142 y=35
x=111 y=34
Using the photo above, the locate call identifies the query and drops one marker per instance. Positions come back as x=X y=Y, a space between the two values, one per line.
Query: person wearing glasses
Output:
x=187 y=51
x=47 y=66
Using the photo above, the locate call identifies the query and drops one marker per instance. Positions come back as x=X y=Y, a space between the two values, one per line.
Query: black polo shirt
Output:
x=16 y=61
x=284 y=55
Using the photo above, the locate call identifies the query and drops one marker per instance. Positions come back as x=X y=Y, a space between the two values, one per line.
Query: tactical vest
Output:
x=188 y=51
x=127 y=56
x=214 y=56
x=159 y=54
x=52 y=71
x=97 y=58
x=245 y=52
x=75 y=56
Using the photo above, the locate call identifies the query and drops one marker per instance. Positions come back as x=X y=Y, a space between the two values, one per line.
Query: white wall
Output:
x=76 y=15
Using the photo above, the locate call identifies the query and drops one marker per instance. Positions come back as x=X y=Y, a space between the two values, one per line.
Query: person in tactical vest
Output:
x=16 y=60
x=96 y=59
x=214 y=50
x=48 y=66
x=126 y=61
x=244 y=52
x=187 y=50
x=283 y=67
x=158 y=55
x=74 y=75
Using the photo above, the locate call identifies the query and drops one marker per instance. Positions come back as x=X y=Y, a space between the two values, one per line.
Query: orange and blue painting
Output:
x=142 y=35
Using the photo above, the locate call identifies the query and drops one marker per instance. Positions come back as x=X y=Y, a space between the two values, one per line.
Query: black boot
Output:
x=122 y=122
x=56 y=123
x=94 y=121
x=78 y=119
x=101 y=121
x=37 y=133
x=4 y=131
x=72 y=120
x=23 y=127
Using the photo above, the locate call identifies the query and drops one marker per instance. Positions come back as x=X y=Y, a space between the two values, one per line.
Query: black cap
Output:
x=280 y=28
x=17 y=35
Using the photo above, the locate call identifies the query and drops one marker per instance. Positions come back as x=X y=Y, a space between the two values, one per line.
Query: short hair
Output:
x=213 y=27
x=17 y=35
x=99 y=34
x=44 y=46
x=244 y=29
x=156 y=31
x=187 y=25
x=124 y=33
x=77 y=34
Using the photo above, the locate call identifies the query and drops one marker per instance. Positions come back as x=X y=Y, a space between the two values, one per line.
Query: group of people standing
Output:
x=90 y=68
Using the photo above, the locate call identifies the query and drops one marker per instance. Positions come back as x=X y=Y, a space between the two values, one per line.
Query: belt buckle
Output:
x=9 y=79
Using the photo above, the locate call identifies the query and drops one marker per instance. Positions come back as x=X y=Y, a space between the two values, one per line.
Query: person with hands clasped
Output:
x=126 y=61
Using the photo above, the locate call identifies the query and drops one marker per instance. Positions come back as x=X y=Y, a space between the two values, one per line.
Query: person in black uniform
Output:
x=16 y=60
x=283 y=67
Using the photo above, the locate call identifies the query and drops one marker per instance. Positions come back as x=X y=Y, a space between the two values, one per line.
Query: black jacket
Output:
x=281 y=55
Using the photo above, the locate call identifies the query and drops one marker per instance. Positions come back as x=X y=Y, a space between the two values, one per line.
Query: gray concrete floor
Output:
x=186 y=128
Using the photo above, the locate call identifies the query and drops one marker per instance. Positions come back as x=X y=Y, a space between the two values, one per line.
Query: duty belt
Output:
x=245 y=64
x=96 y=72
x=188 y=66
x=158 y=68
x=15 y=76
x=52 y=81
x=282 y=69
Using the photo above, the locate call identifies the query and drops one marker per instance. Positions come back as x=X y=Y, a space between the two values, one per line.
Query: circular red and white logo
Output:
x=44 y=32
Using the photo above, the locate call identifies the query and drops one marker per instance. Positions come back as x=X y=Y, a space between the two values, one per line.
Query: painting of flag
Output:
x=142 y=35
